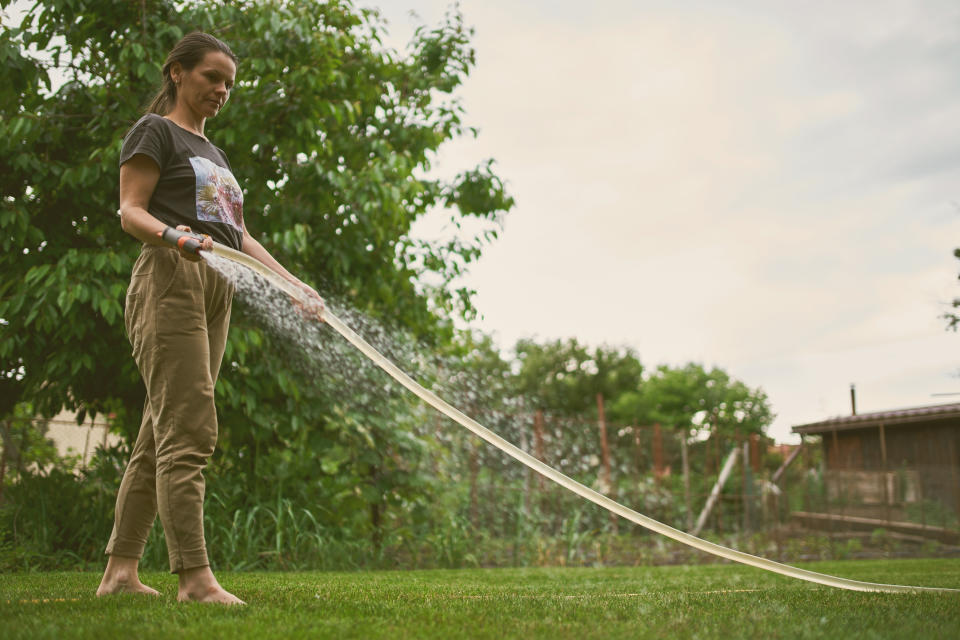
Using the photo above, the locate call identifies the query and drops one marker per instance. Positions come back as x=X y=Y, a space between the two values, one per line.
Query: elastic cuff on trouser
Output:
x=125 y=549
x=188 y=560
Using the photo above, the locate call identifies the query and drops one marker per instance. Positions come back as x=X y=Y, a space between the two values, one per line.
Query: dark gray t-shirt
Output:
x=196 y=185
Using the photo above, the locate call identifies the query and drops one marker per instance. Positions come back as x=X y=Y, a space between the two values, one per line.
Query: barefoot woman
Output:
x=177 y=314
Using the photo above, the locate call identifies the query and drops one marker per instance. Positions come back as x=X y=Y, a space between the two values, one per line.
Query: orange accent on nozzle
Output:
x=184 y=240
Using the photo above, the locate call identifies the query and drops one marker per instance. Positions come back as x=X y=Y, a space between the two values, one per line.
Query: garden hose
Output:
x=542 y=468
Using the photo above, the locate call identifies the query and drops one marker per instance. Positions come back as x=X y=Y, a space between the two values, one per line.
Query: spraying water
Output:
x=318 y=352
x=313 y=347
x=268 y=290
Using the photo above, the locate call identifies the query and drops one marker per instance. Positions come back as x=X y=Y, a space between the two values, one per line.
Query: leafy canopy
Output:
x=329 y=134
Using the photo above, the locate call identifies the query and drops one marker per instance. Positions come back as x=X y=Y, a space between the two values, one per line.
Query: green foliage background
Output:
x=331 y=136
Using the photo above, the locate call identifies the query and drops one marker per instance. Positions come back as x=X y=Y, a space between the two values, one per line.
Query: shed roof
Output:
x=892 y=418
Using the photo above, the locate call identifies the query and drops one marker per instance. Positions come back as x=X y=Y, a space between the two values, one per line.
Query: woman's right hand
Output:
x=205 y=245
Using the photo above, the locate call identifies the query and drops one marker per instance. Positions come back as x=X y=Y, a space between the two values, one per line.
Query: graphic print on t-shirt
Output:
x=219 y=198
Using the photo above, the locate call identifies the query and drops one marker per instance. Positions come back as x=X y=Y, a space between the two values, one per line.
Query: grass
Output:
x=708 y=601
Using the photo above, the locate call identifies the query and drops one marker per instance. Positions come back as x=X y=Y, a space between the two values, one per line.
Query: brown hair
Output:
x=188 y=52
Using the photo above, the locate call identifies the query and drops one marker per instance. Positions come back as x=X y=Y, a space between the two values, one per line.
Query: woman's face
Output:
x=205 y=88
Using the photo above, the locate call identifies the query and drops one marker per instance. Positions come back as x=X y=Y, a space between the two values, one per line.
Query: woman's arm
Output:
x=253 y=248
x=138 y=179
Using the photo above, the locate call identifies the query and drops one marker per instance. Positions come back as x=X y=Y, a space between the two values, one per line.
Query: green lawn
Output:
x=713 y=601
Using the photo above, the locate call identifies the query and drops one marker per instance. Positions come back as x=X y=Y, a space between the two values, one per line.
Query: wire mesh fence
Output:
x=839 y=494
x=788 y=501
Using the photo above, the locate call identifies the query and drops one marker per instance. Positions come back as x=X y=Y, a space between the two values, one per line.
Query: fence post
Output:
x=473 y=466
x=657 y=452
x=527 y=475
x=538 y=442
x=717 y=512
x=605 y=452
x=686 y=477
x=757 y=497
x=637 y=451
x=954 y=464
x=887 y=498
x=744 y=478
x=714 y=498
x=806 y=473
x=839 y=485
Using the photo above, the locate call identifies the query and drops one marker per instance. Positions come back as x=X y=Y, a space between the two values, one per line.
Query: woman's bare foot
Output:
x=121 y=576
x=199 y=585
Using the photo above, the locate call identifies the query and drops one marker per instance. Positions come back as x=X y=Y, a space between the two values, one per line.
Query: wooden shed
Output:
x=900 y=465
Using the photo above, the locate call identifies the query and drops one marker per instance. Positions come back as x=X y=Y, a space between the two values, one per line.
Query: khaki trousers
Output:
x=177 y=316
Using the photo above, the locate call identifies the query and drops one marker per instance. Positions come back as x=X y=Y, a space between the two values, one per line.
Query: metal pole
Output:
x=657 y=452
x=717 y=513
x=474 y=468
x=839 y=483
x=887 y=498
x=528 y=476
x=778 y=474
x=745 y=478
x=715 y=492
x=604 y=446
x=538 y=442
x=605 y=450
x=686 y=477
x=806 y=473
x=954 y=467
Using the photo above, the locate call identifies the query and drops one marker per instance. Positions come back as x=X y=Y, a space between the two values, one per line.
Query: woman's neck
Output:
x=184 y=119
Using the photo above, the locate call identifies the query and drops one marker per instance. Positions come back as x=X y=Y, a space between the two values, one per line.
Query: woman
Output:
x=177 y=315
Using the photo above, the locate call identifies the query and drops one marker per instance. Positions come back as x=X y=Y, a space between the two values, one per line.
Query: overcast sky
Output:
x=768 y=187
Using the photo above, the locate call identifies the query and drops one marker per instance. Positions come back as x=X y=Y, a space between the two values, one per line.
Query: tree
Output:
x=694 y=399
x=330 y=136
x=562 y=379
x=565 y=377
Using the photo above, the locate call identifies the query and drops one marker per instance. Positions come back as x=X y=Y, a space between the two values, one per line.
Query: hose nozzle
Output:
x=183 y=240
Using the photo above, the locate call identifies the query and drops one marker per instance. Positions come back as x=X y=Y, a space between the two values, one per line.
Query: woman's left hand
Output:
x=313 y=306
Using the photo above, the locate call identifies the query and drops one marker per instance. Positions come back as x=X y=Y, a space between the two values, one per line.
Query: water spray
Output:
x=191 y=242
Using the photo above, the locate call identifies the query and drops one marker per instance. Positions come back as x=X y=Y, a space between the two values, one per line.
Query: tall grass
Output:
x=282 y=535
x=61 y=519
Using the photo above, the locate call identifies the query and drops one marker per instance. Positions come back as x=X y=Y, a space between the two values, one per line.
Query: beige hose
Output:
x=543 y=469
